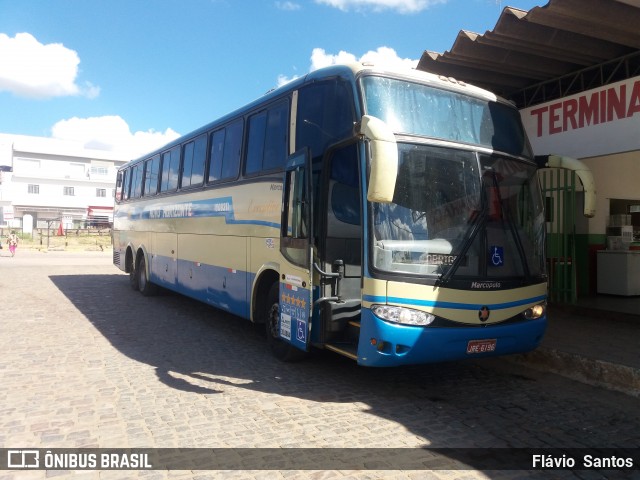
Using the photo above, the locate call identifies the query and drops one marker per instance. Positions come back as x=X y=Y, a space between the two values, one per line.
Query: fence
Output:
x=47 y=238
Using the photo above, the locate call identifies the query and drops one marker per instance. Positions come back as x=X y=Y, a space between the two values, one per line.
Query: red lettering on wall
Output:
x=569 y=110
x=554 y=118
x=539 y=112
x=617 y=103
x=590 y=109
x=634 y=101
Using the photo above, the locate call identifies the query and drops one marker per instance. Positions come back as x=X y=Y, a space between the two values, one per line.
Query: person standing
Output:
x=12 y=240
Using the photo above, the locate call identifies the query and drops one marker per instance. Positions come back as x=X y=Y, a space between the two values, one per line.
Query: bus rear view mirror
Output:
x=384 y=159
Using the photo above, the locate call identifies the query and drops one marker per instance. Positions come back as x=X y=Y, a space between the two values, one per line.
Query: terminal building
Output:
x=573 y=69
x=46 y=182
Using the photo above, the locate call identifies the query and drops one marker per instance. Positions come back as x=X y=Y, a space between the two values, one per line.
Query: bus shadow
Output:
x=196 y=348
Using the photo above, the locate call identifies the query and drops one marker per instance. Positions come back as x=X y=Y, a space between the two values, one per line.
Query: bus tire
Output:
x=282 y=350
x=145 y=286
x=133 y=276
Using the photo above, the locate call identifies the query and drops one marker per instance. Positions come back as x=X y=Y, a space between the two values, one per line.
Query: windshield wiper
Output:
x=512 y=227
x=478 y=224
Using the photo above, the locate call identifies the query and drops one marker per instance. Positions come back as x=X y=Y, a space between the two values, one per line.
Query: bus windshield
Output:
x=419 y=109
x=448 y=203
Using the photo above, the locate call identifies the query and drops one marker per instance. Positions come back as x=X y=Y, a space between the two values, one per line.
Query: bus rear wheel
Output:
x=133 y=276
x=145 y=286
x=282 y=350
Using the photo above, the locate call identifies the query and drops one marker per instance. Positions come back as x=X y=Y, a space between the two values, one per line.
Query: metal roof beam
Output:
x=558 y=49
x=511 y=32
x=466 y=50
x=593 y=18
x=586 y=79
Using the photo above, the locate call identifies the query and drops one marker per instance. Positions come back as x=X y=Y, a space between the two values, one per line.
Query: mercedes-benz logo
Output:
x=483 y=313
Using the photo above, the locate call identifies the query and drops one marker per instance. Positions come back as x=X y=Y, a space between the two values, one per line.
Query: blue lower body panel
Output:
x=406 y=345
x=221 y=287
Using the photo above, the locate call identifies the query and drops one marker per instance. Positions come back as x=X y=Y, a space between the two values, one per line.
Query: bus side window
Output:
x=325 y=115
x=275 y=145
x=126 y=181
x=217 y=151
x=255 y=143
x=267 y=142
x=226 y=144
x=151 y=176
x=343 y=220
x=194 y=157
x=345 y=193
x=232 y=149
x=187 y=162
x=295 y=206
x=117 y=192
x=294 y=233
x=170 y=169
x=136 y=180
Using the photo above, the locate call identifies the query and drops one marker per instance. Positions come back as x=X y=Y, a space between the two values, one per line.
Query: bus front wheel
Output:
x=281 y=350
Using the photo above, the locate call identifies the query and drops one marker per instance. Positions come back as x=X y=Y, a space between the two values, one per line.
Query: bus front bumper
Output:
x=384 y=344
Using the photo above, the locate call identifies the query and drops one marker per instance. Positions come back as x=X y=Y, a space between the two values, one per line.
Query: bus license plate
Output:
x=481 y=346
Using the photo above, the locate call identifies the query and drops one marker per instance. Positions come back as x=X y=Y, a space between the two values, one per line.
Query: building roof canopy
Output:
x=554 y=50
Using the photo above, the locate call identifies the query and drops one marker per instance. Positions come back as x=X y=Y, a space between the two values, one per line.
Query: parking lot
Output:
x=88 y=363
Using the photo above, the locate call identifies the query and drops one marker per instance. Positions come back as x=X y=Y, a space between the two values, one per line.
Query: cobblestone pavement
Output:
x=87 y=362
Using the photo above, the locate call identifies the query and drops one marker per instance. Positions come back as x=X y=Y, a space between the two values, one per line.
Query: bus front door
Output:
x=295 y=286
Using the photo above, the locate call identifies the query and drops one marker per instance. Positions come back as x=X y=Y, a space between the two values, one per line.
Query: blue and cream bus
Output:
x=394 y=217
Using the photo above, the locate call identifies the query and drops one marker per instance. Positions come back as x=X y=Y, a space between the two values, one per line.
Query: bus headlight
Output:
x=404 y=316
x=535 y=312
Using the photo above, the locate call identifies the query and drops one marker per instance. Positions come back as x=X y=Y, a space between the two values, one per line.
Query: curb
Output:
x=599 y=373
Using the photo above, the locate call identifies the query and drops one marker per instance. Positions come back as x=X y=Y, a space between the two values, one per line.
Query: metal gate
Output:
x=559 y=191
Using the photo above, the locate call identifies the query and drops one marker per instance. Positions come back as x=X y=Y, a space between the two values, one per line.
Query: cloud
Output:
x=31 y=69
x=289 y=6
x=111 y=133
x=382 y=57
x=401 y=6
x=283 y=79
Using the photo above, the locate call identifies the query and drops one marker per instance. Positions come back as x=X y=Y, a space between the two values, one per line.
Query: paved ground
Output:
x=86 y=362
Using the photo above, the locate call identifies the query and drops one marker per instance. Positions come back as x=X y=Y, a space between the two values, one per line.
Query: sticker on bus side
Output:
x=285 y=326
x=293 y=280
x=294 y=314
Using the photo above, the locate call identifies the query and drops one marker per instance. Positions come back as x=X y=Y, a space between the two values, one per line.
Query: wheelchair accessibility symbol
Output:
x=301 y=334
x=496 y=256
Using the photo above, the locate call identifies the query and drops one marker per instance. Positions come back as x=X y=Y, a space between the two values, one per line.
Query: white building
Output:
x=44 y=181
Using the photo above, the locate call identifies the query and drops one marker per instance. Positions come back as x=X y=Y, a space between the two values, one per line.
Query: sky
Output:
x=131 y=75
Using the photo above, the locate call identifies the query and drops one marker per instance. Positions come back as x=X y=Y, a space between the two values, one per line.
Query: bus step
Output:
x=345 y=349
x=354 y=323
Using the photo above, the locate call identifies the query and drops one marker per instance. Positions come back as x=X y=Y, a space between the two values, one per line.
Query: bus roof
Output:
x=350 y=70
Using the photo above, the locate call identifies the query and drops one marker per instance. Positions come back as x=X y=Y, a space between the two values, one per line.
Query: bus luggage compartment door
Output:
x=163 y=264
